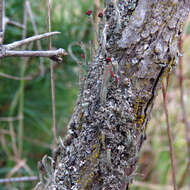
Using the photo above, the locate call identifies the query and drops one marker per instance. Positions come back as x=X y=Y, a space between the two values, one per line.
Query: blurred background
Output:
x=25 y=98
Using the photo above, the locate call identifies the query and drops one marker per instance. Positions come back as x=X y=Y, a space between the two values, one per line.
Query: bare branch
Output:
x=29 y=40
x=9 y=119
x=49 y=53
x=19 y=179
x=14 y=23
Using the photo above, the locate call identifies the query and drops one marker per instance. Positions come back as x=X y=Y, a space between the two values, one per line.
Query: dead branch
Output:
x=49 y=53
x=19 y=179
x=29 y=40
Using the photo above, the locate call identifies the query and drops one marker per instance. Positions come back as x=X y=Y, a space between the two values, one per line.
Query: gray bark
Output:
x=109 y=122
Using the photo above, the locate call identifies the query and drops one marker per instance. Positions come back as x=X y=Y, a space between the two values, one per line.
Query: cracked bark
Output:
x=109 y=122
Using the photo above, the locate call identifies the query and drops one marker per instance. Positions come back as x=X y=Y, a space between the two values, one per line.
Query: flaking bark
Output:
x=109 y=122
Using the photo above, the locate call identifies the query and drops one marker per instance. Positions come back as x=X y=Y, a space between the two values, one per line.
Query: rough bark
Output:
x=109 y=122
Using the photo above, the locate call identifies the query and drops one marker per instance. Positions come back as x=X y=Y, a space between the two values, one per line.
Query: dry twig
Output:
x=19 y=179
x=164 y=92
x=29 y=40
x=50 y=53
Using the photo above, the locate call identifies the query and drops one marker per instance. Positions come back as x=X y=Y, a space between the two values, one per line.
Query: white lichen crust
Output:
x=108 y=125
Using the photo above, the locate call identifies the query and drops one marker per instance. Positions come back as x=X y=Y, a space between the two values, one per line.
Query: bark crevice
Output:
x=138 y=48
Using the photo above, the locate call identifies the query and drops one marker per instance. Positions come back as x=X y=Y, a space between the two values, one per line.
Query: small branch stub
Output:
x=50 y=53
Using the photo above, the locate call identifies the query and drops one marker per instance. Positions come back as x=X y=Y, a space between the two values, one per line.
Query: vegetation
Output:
x=24 y=142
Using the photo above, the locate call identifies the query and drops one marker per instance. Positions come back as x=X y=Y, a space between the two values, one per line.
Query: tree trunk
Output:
x=138 y=47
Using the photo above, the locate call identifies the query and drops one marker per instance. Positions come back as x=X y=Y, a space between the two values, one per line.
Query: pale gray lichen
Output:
x=106 y=136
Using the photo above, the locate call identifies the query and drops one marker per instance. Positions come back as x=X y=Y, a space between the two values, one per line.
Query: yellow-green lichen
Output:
x=87 y=171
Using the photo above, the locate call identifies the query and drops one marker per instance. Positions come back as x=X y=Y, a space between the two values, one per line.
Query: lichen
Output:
x=109 y=122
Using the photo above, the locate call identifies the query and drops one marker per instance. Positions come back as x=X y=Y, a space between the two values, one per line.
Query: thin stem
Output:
x=29 y=40
x=49 y=22
x=97 y=8
x=52 y=79
x=21 y=110
x=51 y=53
x=184 y=175
x=13 y=139
x=184 y=113
x=21 y=98
x=29 y=10
x=14 y=77
x=14 y=23
x=164 y=92
x=4 y=145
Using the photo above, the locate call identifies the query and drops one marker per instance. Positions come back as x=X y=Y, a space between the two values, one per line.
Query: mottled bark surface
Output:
x=109 y=123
